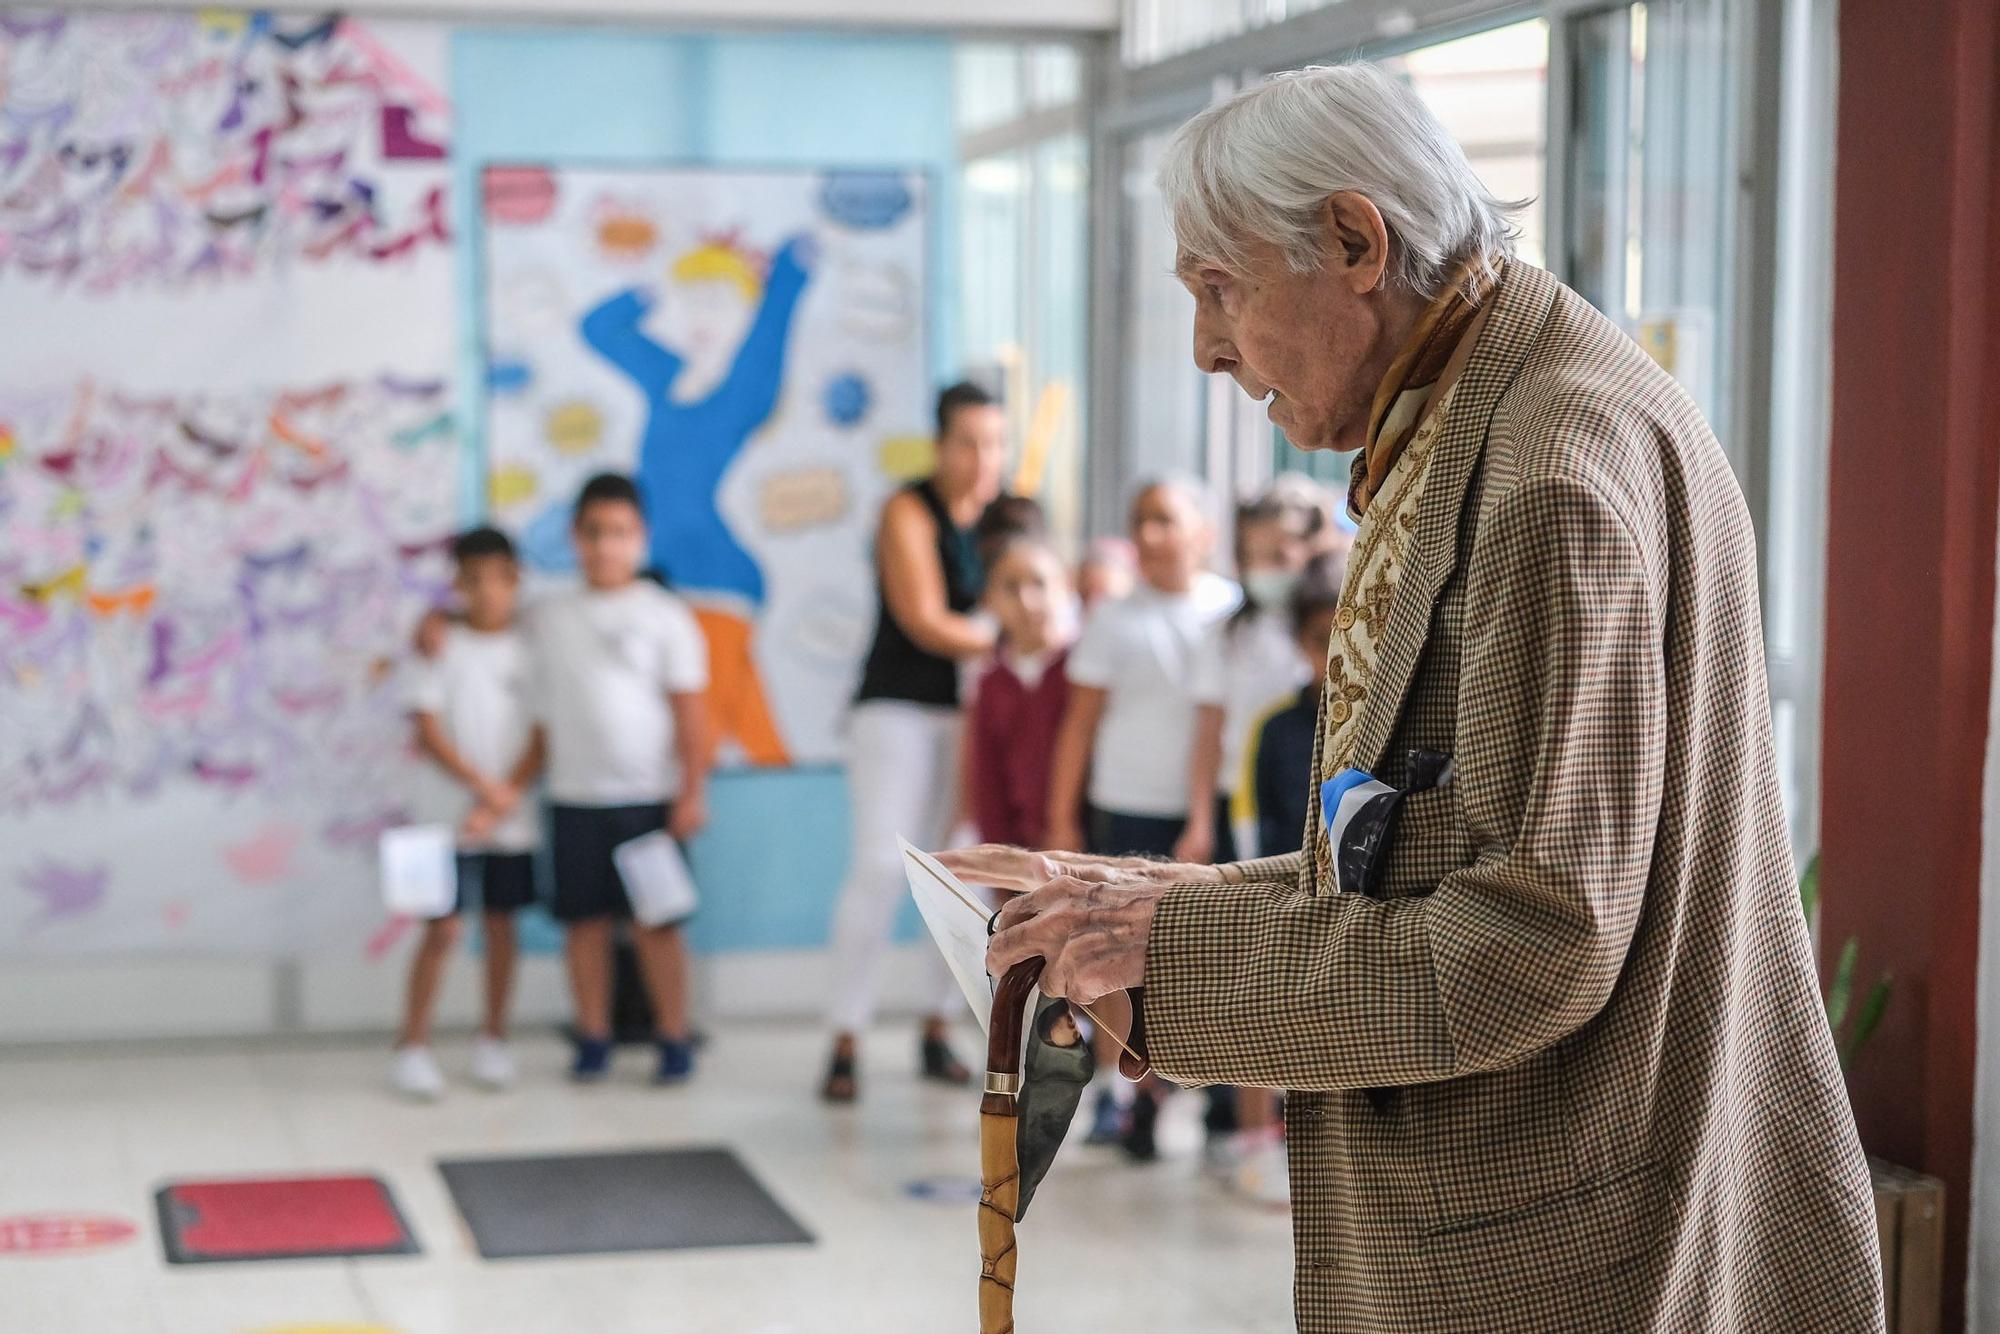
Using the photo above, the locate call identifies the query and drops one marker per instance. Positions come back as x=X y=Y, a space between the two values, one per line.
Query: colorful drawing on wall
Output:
x=202 y=595
x=747 y=344
x=143 y=149
x=228 y=467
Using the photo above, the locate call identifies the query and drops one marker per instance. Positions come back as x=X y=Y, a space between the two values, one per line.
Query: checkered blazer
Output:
x=1570 y=1072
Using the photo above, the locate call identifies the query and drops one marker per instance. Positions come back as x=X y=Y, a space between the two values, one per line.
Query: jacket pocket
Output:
x=1503 y=1260
x=1430 y=841
x=1492 y=1143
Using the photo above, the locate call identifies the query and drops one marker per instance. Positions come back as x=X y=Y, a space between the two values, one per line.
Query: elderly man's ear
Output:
x=1355 y=239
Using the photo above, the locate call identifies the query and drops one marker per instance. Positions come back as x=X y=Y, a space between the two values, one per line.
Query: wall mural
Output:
x=168 y=148
x=750 y=345
x=229 y=468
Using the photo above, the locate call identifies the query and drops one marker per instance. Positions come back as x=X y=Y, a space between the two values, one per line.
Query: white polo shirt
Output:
x=477 y=689
x=1158 y=657
x=604 y=664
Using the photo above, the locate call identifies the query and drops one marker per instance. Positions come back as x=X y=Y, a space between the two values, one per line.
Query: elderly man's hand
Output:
x=1000 y=866
x=1092 y=935
x=1013 y=870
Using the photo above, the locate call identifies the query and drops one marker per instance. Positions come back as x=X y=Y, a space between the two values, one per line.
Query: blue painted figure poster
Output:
x=749 y=345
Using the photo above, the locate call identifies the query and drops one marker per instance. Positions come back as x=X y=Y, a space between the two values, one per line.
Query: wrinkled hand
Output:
x=1012 y=870
x=1000 y=866
x=1092 y=934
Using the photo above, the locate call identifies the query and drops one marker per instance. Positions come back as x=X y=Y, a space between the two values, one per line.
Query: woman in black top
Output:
x=903 y=738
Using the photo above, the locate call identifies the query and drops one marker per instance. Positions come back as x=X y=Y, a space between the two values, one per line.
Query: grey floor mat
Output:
x=598 y=1203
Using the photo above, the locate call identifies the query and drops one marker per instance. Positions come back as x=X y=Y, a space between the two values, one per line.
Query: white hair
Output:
x=1259 y=168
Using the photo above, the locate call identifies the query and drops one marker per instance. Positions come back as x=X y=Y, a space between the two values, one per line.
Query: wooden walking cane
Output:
x=999 y=1157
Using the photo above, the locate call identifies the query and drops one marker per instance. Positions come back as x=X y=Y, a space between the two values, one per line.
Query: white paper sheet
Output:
x=957 y=917
x=419 y=870
x=657 y=879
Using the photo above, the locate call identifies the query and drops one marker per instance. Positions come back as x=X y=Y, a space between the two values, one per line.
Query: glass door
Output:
x=1649 y=217
x=1164 y=424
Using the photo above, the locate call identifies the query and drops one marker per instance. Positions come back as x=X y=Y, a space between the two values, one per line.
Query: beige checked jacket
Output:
x=1571 y=1071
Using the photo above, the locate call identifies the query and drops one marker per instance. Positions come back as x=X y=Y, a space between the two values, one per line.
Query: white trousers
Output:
x=902 y=778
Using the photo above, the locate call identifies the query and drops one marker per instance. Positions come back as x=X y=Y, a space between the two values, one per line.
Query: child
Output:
x=620 y=669
x=1003 y=520
x=1281 y=757
x=1141 y=669
x=1260 y=668
x=1260 y=665
x=1281 y=753
x=1021 y=696
x=1280 y=765
x=1139 y=674
x=473 y=721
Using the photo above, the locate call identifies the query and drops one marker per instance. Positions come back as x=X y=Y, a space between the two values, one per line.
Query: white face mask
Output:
x=1270 y=589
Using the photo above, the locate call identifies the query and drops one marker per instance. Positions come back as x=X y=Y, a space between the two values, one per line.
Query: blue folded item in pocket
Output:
x=1359 y=810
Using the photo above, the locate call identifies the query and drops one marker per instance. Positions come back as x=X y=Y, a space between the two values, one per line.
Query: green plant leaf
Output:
x=1866 y=1019
x=1842 y=989
x=1809 y=888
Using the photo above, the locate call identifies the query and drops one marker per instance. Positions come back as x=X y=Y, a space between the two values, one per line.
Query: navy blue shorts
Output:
x=581 y=840
x=1116 y=834
x=496 y=881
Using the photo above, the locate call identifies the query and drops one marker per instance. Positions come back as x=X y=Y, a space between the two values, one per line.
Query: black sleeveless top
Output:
x=897 y=668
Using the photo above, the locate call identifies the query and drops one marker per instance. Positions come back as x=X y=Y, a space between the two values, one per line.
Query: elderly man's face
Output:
x=1314 y=344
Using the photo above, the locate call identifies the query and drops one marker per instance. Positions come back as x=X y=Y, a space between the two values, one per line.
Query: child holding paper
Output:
x=1019 y=704
x=621 y=670
x=473 y=721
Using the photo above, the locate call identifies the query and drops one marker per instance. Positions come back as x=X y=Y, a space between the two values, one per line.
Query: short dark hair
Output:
x=608 y=488
x=1004 y=519
x=1318 y=588
x=964 y=394
x=476 y=543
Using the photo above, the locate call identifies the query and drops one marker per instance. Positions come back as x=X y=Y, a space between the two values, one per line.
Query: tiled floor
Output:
x=1107 y=1247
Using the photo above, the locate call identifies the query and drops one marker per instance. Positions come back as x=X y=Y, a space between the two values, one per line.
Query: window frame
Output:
x=1770 y=154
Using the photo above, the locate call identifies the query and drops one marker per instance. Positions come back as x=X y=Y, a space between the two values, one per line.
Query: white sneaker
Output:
x=416 y=1074
x=1263 y=1177
x=492 y=1063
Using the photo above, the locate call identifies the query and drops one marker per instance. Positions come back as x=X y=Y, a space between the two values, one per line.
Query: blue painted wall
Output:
x=772 y=860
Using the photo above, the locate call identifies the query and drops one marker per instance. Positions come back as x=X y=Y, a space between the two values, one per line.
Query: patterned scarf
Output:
x=1411 y=377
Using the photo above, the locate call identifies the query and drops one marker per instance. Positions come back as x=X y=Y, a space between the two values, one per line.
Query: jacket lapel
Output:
x=1522 y=303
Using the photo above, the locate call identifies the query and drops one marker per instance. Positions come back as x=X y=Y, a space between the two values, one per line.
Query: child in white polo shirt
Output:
x=621 y=669
x=473 y=721
x=1146 y=672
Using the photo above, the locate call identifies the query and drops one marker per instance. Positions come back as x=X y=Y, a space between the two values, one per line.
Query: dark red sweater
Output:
x=1013 y=739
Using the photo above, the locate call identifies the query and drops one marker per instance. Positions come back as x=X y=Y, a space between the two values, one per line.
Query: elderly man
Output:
x=1538 y=978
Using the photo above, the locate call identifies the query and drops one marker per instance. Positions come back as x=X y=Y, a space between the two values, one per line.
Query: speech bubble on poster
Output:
x=807 y=498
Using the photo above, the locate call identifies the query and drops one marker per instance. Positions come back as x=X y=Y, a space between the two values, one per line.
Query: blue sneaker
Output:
x=676 y=1061
x=1107 y=1121
x=592 y=1060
